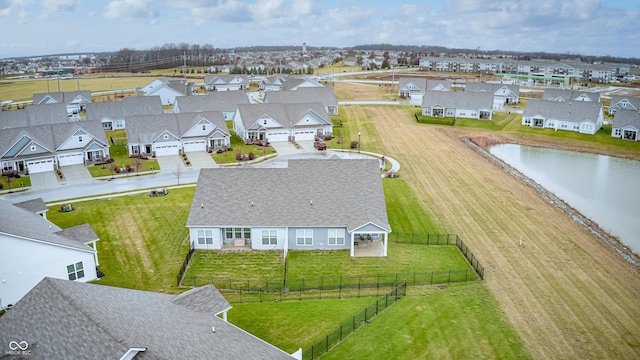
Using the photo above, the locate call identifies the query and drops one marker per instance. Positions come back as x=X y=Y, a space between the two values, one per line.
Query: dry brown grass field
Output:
x=567 y=294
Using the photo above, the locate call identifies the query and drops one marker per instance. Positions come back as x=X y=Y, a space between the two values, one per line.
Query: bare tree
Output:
x=178 y=171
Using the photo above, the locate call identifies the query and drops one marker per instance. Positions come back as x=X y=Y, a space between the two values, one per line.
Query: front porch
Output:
x=368 y=248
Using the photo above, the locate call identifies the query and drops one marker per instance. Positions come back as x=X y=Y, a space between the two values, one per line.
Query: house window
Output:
x=304 y=237
x=228 y=233
x=33 y=148
x=247 y=233
x=336 y=236
x=205 y=236
x=265 y=121
x=269 y=237
x=617 y=132
x=204 y=127
x=80 y=138
x=75 y=271
x=166 y=137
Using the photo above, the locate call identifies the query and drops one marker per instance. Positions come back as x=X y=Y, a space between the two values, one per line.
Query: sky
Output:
x=588 y=27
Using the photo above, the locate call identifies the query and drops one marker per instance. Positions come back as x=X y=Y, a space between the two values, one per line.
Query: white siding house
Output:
x=585 y=117
x=30 y=253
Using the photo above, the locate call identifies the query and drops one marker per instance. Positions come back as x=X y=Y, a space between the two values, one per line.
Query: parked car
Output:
x=320 y=145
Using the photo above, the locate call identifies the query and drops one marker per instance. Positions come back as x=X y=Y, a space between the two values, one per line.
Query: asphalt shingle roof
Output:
x=458 y=99
x=144 y=129
x=62 y=319
x=129 y=106
x=568 y=95
x=285 y=114
x=322 y=94
x=574 y=111
x=215 y=101
x=626 y=118
x=328 y=192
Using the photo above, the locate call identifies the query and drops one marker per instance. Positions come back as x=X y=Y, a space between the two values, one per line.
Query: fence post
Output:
x=327 y=344
x=321 y=285
x=365 y=314
x=414 y=279
x=449 y=279
x=341 y=331
x=431 y=282
x=240 y=295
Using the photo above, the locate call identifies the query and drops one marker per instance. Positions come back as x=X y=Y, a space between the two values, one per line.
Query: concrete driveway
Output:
x=41 y=180
x=201 y=160
x=76 y=174
x=169 y=162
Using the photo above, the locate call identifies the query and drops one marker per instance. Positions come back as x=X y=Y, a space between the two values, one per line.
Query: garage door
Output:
x=166 y=149
x=304 y=135
x=42 y=165
x=194 y=145
x=276 y=136
x=70 y=159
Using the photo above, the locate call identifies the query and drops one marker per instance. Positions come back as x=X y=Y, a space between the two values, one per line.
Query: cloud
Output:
x=9 y=7
x=231 y=11
x=129 y=9
x=59 y=6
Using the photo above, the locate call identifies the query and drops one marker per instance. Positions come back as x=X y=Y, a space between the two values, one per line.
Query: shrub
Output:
x=354 y=144
x=1 y=186
x=238 y=154
x=252 y=156
x=188 y=162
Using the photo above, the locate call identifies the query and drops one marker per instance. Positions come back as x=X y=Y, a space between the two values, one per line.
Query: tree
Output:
x=178 y=172
x=385 y=64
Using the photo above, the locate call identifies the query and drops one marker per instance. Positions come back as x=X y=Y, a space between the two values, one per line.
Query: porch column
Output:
x=224 y=316
x=352 y=249
x=385 y=243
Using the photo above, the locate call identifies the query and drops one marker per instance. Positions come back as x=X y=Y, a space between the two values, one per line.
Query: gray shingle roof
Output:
x=215 y=101
x=285 y=114
x=82 y=233
x=568 y=95
x=39 y=229
x=33 y=205
x=322 y=94
x=62 y=97
x=632 y=102
x=491 y=87
x=626 y=118
x=62 y=319
x=144 y=129
x=423 y=84
x=129 y=106
x=458 y=99
x=34 y=115
x=344 y=193
x=574 y=111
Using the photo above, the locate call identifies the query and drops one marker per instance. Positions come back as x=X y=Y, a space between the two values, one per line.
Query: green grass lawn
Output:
x=251 y=265
x=291 y=325
x=405 y=213
x=462 y=321
x=120 y=154
x=143 y=239
x=14 y=183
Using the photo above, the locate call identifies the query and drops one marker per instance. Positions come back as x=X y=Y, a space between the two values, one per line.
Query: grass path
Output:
x=566 y=294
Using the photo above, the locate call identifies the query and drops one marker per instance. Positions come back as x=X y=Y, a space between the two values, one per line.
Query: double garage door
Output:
x=300 y=135
x=194 y=145
x=41 y=165
x=275 y=136
x=167 y=149
x=71 y=159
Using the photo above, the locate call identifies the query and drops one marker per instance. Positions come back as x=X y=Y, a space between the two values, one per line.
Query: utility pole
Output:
x=184 y=65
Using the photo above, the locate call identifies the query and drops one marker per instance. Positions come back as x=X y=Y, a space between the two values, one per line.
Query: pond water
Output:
x=604 y=189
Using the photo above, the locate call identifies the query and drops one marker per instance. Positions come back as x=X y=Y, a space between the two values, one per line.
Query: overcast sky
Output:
x=590 y=27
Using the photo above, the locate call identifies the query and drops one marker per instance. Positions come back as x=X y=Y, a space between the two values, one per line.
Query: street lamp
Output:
x=358 y=142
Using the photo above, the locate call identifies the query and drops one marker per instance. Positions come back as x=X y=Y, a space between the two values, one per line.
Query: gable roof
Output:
x=61 y=97
x=226 y=79
x=286 y=114
x=39 y=229
x=215 y=101
x=491 y=87
x=68 y=319
x=322 y=94
x=625 y=118
x=35 y=115
x=33 y=205
x=566 y=110
x=458 y=99
x=632 y=102
x=128 y=106
x=293 y=83
x=323 y=193
x=146 y=128
x=552 y=94
x=423 y=84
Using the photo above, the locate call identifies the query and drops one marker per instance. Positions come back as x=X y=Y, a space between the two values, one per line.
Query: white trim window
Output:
x=75 y=271
x=205 y=236
x=269 y=237
x=304 y=237
x=336 y=237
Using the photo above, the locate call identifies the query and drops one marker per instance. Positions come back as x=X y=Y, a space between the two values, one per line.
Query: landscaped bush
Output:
x=252 y=156
x=238 y=154
x=354 y=144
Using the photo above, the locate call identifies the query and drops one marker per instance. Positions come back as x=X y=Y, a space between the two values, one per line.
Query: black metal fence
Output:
x=363 y=317
x=185 y=265
x=439 y=239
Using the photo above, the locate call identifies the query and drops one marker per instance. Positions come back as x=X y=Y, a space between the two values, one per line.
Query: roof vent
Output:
x=213 y=329
x=311 y=202
x=252 y=203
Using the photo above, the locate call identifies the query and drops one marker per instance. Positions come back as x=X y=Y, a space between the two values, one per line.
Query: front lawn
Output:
x=119 y=152
x=13 y=183
x=229 y=157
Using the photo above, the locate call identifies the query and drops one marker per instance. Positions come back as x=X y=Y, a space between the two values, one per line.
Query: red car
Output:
x=320 y=145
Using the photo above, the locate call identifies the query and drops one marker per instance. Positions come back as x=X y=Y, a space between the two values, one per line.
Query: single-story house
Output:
x=172 y=134
x=585 y=117
x=458 y=104
x=619 y=102
x=42 y=148
x=223 y=101
x=626 y=125
x=112 y=114
x=414 y=87
x=41 y=249
x=61 y=319
x=74 y=100
x=274 y=122
x=272 y=83
x=320 y=204
x=167 y=89
x=226 y=82
x=503 y=94
x=551 y=94
x=55 y=113
x=296 y=82
x=323 y=94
